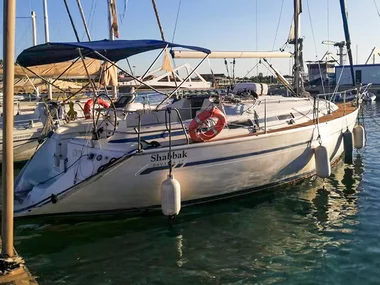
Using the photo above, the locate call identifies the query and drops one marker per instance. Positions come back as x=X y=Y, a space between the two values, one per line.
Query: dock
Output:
x=19 y=273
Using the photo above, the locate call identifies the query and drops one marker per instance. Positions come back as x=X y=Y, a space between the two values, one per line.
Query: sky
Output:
x=224 y=25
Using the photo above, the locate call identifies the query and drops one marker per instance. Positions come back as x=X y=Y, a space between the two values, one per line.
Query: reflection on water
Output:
x=267 y=238
x=315 y=232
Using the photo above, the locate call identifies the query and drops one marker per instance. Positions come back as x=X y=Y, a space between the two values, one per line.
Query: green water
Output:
x=310 y=233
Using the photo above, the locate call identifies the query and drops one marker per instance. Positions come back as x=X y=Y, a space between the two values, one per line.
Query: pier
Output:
x=14 y=272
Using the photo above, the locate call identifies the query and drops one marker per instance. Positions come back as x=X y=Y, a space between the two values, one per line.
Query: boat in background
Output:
x=160 y=78
x=369 y=97
x=32 y=125
x=33 y=120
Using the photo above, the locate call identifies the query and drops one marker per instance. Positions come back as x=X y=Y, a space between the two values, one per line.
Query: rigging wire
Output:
x=315 y=46
x=176 y=20
x=328 y=33
x=277 y=28
x=21 y=43
x=71 y=21
x=257 y=38
x=124 y=12
x=328 y=24
x=175 y=28
x=162 y=34
x=249 y=71
x=92 y=13
x=377 y=9
x=278 y=25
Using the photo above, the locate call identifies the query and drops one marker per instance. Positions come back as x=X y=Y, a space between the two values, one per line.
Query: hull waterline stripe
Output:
x=194 y=163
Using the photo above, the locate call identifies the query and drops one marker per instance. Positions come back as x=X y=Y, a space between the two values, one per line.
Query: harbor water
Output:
x=314 y=232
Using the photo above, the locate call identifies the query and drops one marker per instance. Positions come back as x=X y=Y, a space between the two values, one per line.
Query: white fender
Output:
x=322 y=162
x=359 y=136
x=170 y=196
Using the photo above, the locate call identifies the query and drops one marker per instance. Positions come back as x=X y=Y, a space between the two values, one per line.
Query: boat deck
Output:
x=343 y=109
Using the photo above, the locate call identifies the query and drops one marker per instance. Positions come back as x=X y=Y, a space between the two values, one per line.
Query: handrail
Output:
x=365 y=87
x=183 y=127
x=139 y=132
x=265 y=116
x=266 y=101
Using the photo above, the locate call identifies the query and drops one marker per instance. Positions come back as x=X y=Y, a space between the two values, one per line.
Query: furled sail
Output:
x=109 y=75
x=114 y=22
x=291 y=36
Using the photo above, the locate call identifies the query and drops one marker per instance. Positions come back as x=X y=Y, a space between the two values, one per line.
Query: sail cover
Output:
x=65 y=69
x=113 y=50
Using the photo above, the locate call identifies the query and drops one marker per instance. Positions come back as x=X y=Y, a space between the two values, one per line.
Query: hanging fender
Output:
x=87 y=107
x=195 y=127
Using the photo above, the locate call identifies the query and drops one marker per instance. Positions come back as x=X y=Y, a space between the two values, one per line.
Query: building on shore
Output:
x=320 y=69
x=364 y=74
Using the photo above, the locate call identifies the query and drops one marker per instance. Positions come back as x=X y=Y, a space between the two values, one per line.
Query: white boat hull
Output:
x=27 y=130
x=205 y=171
x=24 y=144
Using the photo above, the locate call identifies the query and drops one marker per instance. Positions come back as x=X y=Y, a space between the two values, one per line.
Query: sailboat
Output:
x=34 y=120
x=184 y=150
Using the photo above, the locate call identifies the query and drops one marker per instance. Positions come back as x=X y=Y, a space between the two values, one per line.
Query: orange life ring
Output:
x=87 y=107
x=195 y=126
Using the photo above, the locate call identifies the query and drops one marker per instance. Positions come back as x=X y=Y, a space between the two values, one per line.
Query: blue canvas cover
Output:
x=113 y=50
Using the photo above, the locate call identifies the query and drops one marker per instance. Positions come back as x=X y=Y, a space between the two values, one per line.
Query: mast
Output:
x=348 y=39
x=297 y=7
x=112 y=35
x=110 y=21
x=47 y=39
x=34 y=29
x=46 y=22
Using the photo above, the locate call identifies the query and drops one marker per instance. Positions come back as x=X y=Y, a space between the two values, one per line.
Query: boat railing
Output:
x=168 y=122
x=142 y=112
x=265 y=116
x=332 y=96
x=360 y=89
x=168 y=112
